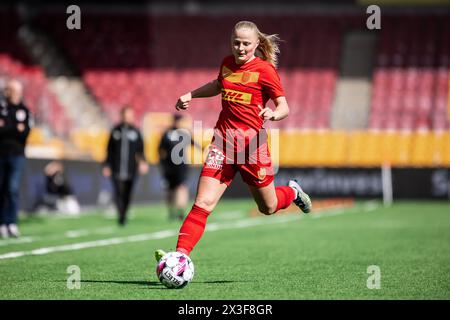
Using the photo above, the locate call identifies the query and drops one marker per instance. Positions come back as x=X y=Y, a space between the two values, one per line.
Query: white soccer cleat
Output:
x=13 y=230
x=302 y=200
x=3 y=231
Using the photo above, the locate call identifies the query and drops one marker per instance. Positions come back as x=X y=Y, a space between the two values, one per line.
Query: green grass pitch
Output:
x=290 y=256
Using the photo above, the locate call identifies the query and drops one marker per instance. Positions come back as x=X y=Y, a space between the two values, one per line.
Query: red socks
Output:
x=285 y=196
x=192 y=229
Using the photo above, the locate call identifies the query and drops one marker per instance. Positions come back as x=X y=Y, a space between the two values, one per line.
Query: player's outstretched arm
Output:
x=208 y=90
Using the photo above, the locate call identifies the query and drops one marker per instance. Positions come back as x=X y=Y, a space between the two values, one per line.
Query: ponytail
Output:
x=268 y=48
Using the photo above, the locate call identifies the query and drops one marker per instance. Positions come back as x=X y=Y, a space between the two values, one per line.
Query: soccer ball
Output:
x=175 y=270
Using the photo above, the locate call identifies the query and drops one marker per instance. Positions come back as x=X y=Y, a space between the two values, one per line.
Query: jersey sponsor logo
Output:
x=236 y=96
x=240 y=77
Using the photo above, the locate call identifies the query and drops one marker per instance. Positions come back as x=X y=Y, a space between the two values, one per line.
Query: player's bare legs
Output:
x=209 y=192
x=270 y=199
x=266 y=198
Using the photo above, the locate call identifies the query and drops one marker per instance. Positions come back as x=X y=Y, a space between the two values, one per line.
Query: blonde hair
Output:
x=268 y=48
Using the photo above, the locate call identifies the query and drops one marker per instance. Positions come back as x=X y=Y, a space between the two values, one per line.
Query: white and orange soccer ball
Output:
x=175 y=270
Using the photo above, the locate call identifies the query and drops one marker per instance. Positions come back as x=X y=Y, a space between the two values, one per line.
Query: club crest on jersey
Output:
x=262 y=173
x=246 y=76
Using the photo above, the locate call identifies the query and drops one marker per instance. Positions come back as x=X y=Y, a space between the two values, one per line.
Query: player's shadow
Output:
x=154 y=285
x=218 y=281
x=141 y=283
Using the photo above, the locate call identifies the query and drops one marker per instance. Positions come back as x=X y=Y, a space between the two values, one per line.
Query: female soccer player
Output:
x=247 y=80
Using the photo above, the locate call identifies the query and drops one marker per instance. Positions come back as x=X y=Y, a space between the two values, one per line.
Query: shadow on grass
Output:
x=141 y=283
x=218 y=281
x=152 y=284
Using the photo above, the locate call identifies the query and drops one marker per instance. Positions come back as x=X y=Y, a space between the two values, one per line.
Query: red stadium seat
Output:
x=411 y=78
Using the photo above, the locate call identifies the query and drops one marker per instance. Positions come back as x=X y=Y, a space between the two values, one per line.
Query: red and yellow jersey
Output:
x=244 y=87
x=239 y=144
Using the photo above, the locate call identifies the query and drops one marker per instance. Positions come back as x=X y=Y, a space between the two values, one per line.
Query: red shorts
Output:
x=256 y=169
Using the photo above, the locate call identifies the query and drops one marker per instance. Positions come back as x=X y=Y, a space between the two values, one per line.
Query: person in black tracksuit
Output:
x=125 y=157
x=15 y=122
x=174 y=166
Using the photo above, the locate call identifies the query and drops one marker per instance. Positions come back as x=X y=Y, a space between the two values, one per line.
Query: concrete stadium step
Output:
x=63 y=81
x=80 y=106
x=353 y=90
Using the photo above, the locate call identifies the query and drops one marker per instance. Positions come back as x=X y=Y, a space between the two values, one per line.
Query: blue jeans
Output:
x=11 y=168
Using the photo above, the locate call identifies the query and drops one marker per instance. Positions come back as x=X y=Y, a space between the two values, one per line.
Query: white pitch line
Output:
x=245 y=223
x=68 y=234
x=92 y=244
x=105 y=230
x=230 y=215
x=76 y=233
x=370 y=206
x=333 y=212
x=85 y=232
x=17 y=241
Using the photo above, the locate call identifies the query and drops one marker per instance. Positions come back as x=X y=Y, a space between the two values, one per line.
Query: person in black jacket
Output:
x=125 y=157
x=14 y=129
x=174 y=166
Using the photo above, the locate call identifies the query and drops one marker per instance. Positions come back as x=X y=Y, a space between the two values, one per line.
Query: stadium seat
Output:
x=15 y=62
x=149 y=69
x=408 y=72
x=151 y=77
